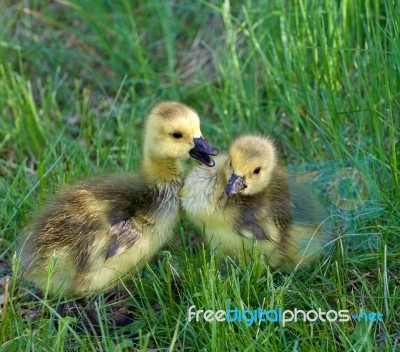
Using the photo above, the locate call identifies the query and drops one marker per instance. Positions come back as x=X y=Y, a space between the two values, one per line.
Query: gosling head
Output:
x=173 y=132
x=251 y=162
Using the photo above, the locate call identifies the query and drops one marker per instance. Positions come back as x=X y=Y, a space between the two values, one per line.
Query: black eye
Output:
x=230 y=163
x=177 y=135
x=257 y=170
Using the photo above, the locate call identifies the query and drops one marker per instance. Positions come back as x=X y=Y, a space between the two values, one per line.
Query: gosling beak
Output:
x=235 y=185
x=201 y=151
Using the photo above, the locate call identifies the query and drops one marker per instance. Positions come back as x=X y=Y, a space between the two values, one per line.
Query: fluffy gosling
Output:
x=99 y=229
x=245 y=206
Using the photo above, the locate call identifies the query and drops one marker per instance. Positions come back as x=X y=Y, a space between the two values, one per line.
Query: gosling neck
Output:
x=161 y=170
x=220 y=184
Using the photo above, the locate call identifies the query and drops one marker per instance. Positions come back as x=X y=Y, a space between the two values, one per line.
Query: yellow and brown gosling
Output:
x=246 y=206
x=100 y=229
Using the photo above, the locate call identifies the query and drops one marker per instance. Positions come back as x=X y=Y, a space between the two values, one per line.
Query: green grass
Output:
x=321 y=77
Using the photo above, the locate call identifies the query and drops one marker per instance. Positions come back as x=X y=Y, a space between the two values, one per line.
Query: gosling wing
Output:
x=129 y=200
x=125 y=234
x=247 y=223
x=266 y=216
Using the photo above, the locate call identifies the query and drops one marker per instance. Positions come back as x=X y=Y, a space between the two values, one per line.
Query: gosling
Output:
x=246 y=207
x=97 y=230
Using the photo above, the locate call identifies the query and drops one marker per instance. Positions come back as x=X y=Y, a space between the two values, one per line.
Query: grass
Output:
x=321 y=77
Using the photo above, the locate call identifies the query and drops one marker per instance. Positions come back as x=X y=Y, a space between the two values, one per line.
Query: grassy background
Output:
x=321 y=77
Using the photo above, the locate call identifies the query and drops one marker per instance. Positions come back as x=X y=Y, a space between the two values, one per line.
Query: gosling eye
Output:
x=177 y=135
x=230 y=163
x=257 y=170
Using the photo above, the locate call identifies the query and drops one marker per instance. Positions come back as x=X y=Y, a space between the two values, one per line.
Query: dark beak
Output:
x=201 y=151
x=235 y=185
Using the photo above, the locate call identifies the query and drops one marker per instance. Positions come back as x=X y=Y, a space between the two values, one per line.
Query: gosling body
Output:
x=97 y=230
x=243 y=214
